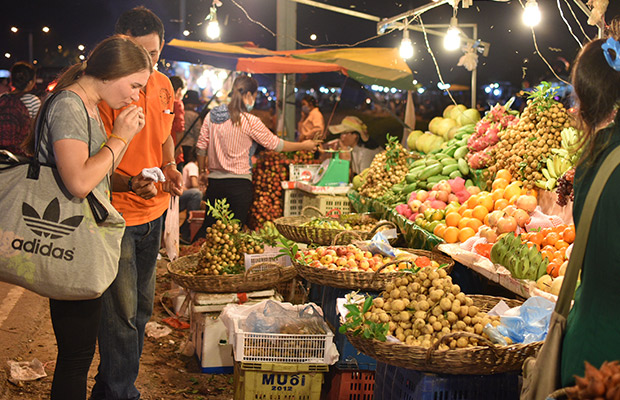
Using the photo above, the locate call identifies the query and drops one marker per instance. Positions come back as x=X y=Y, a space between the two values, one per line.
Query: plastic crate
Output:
x=210 y=339
x=327 y=204
x=302 y=172
x=406 y=384
x=349 y=357
x=280 y=347
x=195 y=220
x=277 y=381
x=351 y=385
x=293 y=202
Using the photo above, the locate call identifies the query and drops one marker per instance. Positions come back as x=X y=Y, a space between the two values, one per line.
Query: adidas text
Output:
x=48 y=250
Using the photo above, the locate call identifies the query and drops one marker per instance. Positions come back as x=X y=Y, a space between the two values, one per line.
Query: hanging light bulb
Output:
x=531 y=13
x=452 y=40
x=213 y=30
x=406 y=47
x=213 y=27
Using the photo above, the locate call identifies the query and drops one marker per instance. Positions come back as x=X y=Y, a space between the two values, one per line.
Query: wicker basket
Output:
x=480 y=360
x=290 y=228
x=260 y=276
x=359 y=280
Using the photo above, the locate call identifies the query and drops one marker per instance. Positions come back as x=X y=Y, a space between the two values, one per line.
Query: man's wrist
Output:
x=171 y=163
x=130 y=184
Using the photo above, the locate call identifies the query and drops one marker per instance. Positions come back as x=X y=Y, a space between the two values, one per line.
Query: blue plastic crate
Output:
x=406 y=384
x=349 y=358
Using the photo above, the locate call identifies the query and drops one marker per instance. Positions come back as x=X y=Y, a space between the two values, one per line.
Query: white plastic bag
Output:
x=171 y=231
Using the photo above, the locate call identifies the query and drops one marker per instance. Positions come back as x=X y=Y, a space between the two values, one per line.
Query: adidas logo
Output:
x=48 y=225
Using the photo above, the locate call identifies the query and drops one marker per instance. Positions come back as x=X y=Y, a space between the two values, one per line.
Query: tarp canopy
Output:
x=376 y=65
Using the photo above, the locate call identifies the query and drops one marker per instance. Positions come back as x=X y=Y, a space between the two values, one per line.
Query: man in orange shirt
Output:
x=128 y=302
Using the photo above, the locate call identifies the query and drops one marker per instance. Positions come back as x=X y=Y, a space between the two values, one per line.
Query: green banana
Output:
x=551 y=169
x=463 y=167
x=430 y=170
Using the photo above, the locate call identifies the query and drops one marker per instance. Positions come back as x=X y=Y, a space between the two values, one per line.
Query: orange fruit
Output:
x=512 y=190
x=500 y=204
x=560 y=244
x=473 y=201
x=479 y=212
x=503 y=174
x=463 y=222
x=546 y=231
x=439 y=230
x=465 y=233
x=569 y=234
x=497 y=194
x=487 y=201
x=551 y=238
x=467 y=213
x=453 y=219
x=462 y=208
x=531 y=192
x=536 y=237
x=499 y=183
x=451 y=234
x=474 y=224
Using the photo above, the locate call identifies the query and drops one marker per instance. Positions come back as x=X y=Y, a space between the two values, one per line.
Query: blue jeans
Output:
x=189 y=201
x=127 y=307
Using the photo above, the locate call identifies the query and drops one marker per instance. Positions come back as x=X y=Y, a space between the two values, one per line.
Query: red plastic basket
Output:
x=352 y=385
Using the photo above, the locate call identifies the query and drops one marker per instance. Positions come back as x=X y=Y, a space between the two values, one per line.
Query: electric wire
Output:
x=570 y=29
x=428 y=47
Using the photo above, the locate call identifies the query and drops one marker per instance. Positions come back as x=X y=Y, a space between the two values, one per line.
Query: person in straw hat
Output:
x=355 y=143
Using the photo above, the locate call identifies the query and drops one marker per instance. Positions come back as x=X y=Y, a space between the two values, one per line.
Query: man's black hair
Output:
x=139 y=21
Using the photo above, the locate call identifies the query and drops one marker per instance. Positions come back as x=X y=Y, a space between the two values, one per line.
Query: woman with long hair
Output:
x=593 y=325
x=228 y=138
x=73 y=138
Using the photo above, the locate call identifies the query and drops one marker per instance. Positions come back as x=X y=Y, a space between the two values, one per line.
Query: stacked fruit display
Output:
x=352 y=258
x=522 y=261
x=272 y=168
x=486 y=135
x=523 y=148
x=224 y=246
x=420 y=309
x=387 y=169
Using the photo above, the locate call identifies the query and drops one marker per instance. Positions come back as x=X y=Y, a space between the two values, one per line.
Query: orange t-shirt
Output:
x=145 y=149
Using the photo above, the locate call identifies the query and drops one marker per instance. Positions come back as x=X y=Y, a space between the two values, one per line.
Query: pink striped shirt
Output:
x=228 y=146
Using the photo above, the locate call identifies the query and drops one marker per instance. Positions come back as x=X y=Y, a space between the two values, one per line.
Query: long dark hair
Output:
x=113 y=58
x=597 y=87
x=242 y=85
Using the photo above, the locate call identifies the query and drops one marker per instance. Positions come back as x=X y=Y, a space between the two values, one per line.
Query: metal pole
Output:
x=474 y=73
x=30 y=48
x=287 y=33
x=182 y=12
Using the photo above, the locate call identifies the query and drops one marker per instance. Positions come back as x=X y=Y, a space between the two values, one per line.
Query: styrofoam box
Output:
x=302 y=172
x=209 y=335
x=269 y=255
x=215 y=302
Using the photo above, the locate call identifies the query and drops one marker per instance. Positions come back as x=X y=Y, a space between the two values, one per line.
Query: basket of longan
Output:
x=434 y=327
x=219 y=266
x=350 y=267
x=322 y=230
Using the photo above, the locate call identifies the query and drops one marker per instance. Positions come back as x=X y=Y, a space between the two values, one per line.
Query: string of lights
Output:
x=570 y=29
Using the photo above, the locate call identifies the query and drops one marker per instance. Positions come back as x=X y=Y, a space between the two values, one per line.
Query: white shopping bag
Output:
x=171 y=230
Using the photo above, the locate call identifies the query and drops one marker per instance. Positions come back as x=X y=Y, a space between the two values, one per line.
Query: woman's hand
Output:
x=310 y=145
x=129 y=122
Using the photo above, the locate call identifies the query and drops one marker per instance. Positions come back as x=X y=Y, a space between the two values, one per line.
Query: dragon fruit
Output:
x=487 y=129
x=481 y=159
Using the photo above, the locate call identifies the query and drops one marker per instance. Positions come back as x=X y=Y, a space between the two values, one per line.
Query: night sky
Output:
x=511 y=57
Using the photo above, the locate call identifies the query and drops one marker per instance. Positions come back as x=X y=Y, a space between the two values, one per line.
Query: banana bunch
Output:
x=556 y=166
x=570 y=139
x=521 y=261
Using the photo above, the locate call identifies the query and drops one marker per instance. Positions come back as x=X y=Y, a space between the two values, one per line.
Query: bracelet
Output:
x=170 y=163
x=119 y=138
x=129 y=184
x=111 y=151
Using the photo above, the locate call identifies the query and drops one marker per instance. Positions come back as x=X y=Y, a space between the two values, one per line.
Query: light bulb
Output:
x=531 y=13
x=213 y=30
x=406 y=47
x=452 y=40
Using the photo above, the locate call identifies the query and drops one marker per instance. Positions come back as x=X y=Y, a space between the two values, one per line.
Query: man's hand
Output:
x=143 y=187
x=174 y=181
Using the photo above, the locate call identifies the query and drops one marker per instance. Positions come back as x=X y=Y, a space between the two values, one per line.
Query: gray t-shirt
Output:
x=67 y=118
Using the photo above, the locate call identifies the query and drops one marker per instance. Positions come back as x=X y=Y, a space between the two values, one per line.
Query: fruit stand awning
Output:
x=380 y=66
